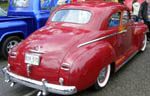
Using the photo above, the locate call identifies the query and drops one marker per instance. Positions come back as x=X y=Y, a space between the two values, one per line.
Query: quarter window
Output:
x=114 y=20
x=126 y=17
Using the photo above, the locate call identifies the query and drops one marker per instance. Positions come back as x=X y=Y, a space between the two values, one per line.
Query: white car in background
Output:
x=2 y=12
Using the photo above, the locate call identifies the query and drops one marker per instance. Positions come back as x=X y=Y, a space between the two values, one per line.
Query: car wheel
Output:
x=8 y=44
x=144 y=43
x=103 y=78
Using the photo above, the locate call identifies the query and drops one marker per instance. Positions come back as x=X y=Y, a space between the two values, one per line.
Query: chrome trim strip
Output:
x=36 y=51
x=13 y=55
x=65 y=66
x=66 y=69
x=41 y=85
x=101 y=38
x=127 y=60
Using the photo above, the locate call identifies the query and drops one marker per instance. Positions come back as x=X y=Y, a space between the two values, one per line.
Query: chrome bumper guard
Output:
x=40 y=85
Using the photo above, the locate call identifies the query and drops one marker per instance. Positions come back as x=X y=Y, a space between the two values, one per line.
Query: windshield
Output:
x=20 y=3
x=72 y=16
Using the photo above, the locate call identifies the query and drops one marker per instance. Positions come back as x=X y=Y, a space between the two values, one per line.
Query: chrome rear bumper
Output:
x=40 y=85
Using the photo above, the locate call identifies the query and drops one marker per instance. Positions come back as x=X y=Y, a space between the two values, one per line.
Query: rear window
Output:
x=20 y=3
x=72 y=16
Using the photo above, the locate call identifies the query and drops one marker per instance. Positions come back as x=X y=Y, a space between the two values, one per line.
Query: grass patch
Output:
x=4 y=5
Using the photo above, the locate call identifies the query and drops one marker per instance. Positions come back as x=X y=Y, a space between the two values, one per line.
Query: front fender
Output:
x=85 y=69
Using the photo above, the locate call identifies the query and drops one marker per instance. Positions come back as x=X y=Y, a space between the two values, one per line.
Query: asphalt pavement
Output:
x=133 y=79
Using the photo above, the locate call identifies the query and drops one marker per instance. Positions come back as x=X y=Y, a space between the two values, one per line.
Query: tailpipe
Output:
x=41 y=93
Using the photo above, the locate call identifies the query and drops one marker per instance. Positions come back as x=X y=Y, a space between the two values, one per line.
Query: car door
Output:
x=125 y=34
x=114 y=25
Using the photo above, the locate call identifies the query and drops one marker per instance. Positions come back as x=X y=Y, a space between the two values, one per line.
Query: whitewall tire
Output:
x=144 y=43
x=103 y=77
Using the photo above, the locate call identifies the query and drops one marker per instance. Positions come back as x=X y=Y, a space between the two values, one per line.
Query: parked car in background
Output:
x=2 y=12
x=24 y=17
x=3 y=0
x=79 y=47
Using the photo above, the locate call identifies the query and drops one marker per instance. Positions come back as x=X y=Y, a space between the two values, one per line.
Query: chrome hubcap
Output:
x=102 y=75
x=11 y=45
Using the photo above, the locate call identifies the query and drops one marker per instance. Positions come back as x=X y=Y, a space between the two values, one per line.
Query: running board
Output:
x=127 y=60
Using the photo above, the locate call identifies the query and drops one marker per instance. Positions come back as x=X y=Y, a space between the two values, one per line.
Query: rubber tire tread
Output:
x=4 y=45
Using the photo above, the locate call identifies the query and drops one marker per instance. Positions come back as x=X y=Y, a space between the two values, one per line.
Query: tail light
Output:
x=13 y=55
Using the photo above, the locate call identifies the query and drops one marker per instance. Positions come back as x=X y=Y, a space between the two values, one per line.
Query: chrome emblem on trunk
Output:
x=37 y=50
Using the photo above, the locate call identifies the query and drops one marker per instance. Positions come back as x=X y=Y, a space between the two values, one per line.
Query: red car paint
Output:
x=60 y=43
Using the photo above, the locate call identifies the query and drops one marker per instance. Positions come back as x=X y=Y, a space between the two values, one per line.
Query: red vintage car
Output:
x=79 y=47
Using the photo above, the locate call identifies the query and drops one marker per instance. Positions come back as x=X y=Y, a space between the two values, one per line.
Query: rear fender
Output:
x=85 y=69
x=12 y=33
x=139 y=33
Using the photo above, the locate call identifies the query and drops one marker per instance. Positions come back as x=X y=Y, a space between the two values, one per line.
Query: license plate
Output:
x=32 y=59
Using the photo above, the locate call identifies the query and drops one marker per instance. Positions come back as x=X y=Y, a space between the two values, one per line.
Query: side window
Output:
x=45 y=4
x=114 y=20
x=20 y=3
x=126 y=17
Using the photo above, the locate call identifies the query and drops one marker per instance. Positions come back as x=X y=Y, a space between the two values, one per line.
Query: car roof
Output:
x=101 y=11
x=94 y=4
